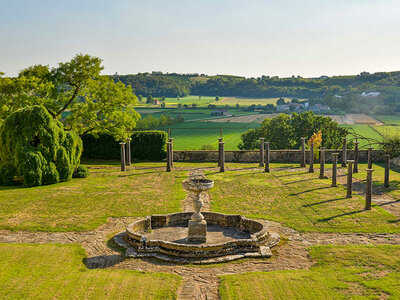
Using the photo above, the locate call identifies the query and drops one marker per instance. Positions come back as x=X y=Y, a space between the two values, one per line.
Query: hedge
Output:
x=145 y=145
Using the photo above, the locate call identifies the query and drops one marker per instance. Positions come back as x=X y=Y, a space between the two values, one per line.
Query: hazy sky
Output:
x=251 y=38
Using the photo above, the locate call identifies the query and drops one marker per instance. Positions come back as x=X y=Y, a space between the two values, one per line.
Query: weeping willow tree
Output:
x=35 y=148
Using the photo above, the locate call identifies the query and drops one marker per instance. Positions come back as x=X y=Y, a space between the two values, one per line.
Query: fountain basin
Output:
x=229 y=237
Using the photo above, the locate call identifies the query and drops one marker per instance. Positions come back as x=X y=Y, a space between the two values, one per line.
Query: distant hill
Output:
x=172 y=85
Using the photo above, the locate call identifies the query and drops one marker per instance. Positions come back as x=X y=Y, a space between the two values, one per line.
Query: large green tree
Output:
x=285 y=132
x=75 y=93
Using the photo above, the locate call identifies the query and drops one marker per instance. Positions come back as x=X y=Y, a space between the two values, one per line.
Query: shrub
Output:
x=37 y=147
x=149 y=145
x=7 y=174
x=81 y=172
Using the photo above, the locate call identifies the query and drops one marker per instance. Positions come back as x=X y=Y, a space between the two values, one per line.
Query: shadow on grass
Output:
x=138 y=174
x=297 y=181
x=102 y=261
x=326 y=201
x=341 y=215
x=309 y=191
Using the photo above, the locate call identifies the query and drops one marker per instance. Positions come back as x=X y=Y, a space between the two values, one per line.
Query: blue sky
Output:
x=250 y=38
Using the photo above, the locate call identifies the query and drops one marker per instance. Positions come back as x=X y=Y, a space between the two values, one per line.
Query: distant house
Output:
x=220 y=112
x=320 y=108
x=370 y=94
x=282 y=108
x=337 y=96
x=296 y=106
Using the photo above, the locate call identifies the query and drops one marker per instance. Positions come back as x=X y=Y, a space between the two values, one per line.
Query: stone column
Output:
x=355 y=169
x=168 y=157
x=322 y=163
x=344 y=152
x=123 y=165
x=368 y=194
x=311 y=168
x=171 y=153
x=262 y=152
x=128 y=152
x=267 y=169
x=334 y=169
x=349 y=178
x=387 y=169
x=303 y=152
x=369 y=158
x=219 y=151
x=222 y=166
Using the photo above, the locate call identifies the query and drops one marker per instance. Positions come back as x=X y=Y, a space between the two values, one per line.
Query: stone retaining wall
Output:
x=289 y=156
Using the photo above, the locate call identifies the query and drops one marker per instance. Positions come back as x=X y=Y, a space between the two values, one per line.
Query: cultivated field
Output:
x=252 y=118
x=350 y=119
x=232 y=101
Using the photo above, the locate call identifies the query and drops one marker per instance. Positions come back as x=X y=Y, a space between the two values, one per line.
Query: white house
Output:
x=370 y=94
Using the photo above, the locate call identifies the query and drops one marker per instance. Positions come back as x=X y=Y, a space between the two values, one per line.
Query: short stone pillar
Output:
x=349 y=178
x=369 y=158
x=334 y=169
x=368 y=194
x=262 y=152
x=344 y=152
x=267 y=169
x=387 y=169
x=322 y=163
x=311 y=168
x=355 y=169
x=303 y=152
x=123 y=157
x=168 y=157
x=171 y=152
x=222 y=163
x=219 y=151
x=128 y=152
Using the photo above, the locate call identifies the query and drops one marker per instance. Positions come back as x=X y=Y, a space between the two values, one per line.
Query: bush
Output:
x=145 y=145
x=36 y=146
x=81 y=172
x=149 y=145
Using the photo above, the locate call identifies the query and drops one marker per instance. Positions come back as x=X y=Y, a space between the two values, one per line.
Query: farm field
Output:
x=232 y=101
x=388 y=129
x=193 y=135
x=389 y=119
x=365 y=131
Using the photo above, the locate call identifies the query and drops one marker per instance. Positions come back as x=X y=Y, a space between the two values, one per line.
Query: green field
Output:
x=232 y=101
x=388 y=130
x=393 y=119
x=365 y=131
x=57 y=272
x=341 y=272
x=193 y=135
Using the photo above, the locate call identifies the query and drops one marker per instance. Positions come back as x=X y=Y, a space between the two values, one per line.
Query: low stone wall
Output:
x=288 y=156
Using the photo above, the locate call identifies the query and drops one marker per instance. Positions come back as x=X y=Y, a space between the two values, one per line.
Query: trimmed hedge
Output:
x=145 y=145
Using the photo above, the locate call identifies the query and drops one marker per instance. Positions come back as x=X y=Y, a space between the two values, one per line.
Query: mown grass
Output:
x=32 y=271
x=288 y=195
x=84 y=204
x=296 y=199
x=378 y=177
x=341 y=272
x=365 y=131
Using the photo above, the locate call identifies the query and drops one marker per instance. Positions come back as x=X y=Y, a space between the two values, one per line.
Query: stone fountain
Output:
x=195 y=237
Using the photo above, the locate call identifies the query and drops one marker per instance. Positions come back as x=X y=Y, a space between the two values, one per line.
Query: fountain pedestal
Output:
x=197 y=229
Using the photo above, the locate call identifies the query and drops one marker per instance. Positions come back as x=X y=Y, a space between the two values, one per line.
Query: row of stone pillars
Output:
x=126 y=157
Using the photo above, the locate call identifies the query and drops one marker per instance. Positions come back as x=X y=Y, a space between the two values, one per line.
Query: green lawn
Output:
x=296 y=199
x=378 y=178
x=341 y=272
x=84 y=204
x=291 y=196
x=32 y=271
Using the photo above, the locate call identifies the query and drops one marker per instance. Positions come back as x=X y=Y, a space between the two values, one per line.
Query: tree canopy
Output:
x=75 y=93
x=286 y=131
